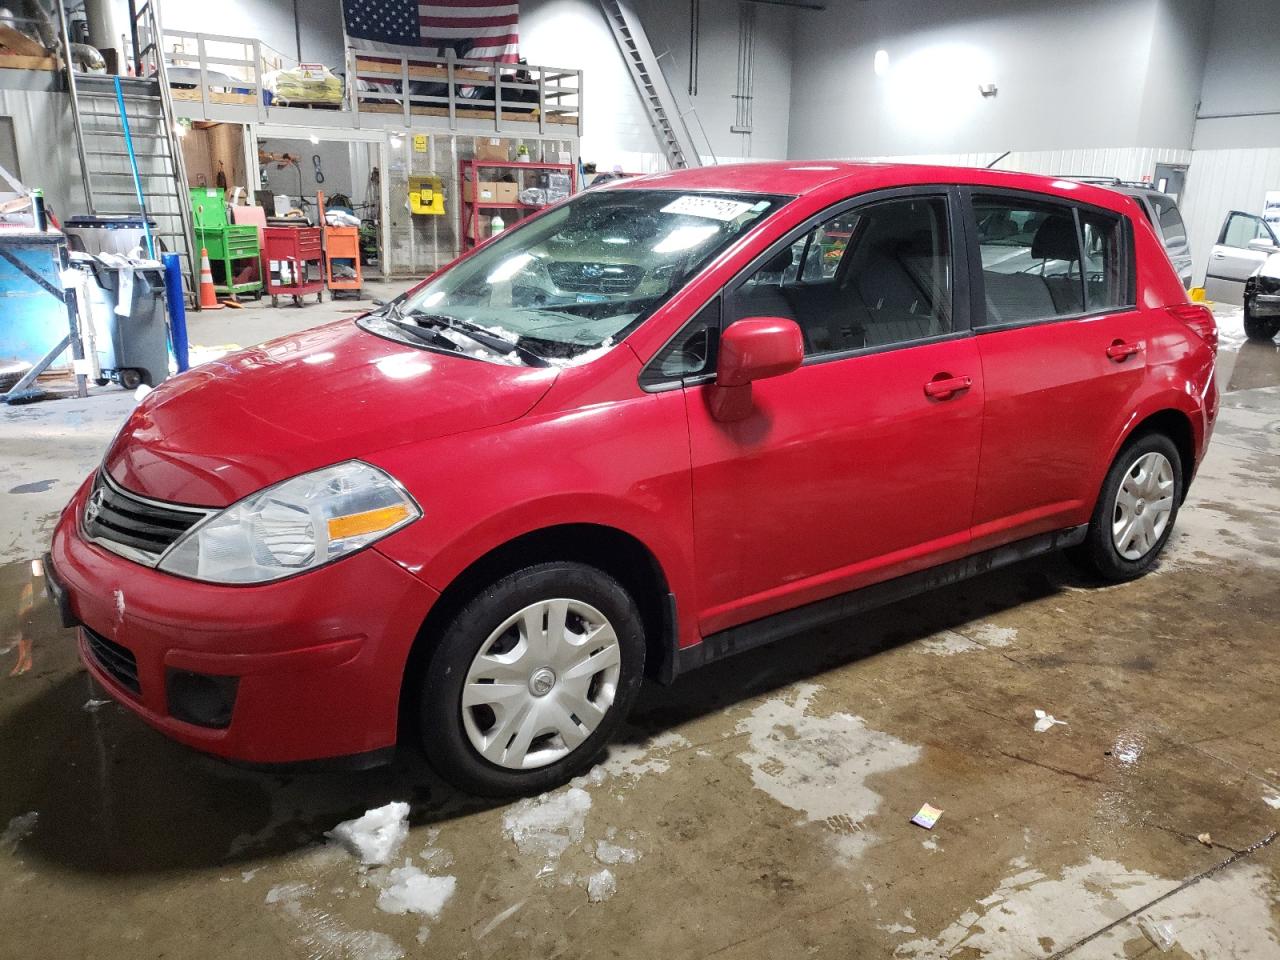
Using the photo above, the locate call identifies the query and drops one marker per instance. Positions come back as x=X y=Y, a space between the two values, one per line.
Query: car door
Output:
x=1063 y=351
x=860 y=465
x=1244 y=243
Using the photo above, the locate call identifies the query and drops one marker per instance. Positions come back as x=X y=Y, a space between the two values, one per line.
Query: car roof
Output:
x=801 y=177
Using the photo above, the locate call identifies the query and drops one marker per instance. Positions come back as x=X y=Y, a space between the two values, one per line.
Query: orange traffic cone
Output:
x=208 y=299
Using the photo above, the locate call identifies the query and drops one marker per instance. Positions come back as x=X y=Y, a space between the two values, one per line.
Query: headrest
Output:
x=1056 y=240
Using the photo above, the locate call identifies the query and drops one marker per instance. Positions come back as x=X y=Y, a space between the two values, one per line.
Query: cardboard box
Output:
x=491 y=192
x=493 y=148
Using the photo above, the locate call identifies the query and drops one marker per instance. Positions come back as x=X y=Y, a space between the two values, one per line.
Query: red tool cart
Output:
x=341 y=244
x=292 y=263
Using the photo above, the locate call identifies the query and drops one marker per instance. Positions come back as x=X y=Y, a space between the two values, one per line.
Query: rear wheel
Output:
x=531 y=678
x=1136 y=510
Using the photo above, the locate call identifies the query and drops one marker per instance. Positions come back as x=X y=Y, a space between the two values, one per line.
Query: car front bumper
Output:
x=1265 y=304
x=308 y=668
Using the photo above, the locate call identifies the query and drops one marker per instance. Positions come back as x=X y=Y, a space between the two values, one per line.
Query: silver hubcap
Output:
x=1144 y=504
x=541 y=683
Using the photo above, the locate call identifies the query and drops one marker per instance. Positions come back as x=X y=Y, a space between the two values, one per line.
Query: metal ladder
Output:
x=668 y=123
x=104 y=160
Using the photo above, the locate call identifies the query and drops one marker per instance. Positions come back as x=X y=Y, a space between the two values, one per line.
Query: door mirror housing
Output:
x=1263 y=245
x=752 y=349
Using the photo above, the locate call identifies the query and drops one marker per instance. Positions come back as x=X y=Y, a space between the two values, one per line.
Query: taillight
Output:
x=1200 y=319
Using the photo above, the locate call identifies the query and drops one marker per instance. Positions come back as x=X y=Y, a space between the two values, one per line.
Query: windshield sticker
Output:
x=712 y=208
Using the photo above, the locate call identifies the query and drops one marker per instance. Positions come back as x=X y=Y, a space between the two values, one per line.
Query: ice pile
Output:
x=375 y=837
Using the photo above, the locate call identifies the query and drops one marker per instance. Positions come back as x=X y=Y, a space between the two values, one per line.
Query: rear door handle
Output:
x=1121 y=351
x=943 y=387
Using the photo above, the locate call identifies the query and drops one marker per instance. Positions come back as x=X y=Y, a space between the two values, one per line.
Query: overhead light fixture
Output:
x=396 y=141
x=987 y=89
x=882 y=62
x=315 y=139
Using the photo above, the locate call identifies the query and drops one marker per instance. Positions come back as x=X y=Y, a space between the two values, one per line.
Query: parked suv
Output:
x=1161 y=210
x=478 y=517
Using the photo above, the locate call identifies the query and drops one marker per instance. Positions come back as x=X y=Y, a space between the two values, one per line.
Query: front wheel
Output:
x=1260 y=328
x=531 y=678
x=1136 y=510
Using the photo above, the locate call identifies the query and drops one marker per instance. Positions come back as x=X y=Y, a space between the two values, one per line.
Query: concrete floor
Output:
x=757 y=809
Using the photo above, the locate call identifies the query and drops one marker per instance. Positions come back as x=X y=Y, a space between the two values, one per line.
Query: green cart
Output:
x=229 y=245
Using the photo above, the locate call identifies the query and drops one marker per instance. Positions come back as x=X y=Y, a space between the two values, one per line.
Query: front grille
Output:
x=117 y=661
x=595 y=277
x=132 y=526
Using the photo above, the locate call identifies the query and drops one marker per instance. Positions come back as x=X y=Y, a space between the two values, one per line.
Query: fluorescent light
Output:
x=882 y=62
x=314 y=138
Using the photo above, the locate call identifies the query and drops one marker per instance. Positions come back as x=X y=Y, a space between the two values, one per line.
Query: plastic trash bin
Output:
x=132 y=348
x=123 y=235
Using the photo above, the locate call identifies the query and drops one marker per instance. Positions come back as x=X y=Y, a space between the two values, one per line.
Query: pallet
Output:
x=16 y=62
x=421 y=72
x=192 y=94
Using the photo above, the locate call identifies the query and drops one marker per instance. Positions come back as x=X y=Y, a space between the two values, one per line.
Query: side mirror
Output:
x=1262 y=245
x=753 y=349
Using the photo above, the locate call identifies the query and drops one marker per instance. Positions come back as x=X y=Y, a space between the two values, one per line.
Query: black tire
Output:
x=444 y=739
x=130 y=378
x=1098 y=554
x=1261 y=329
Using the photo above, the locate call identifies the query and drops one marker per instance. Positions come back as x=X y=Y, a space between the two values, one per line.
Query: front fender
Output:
x=622 y=465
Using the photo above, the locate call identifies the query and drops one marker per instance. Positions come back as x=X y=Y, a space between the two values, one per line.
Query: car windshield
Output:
x=576 y=280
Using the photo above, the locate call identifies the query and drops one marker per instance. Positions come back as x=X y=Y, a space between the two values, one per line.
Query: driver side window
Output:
x=878 y=275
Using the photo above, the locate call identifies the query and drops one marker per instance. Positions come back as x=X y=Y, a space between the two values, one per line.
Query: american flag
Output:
x=476 y=29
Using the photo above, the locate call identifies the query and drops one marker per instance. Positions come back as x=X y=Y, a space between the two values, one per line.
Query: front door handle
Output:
x=943 y=387
x=1121 y=351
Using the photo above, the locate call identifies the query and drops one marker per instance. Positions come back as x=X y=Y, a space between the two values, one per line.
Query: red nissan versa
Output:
x=660 y=423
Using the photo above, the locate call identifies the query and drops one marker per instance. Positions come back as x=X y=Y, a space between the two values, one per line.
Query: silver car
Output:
x=1245 y=243
x=1162 y=210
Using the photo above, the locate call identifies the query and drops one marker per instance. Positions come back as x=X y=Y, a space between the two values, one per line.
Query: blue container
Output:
x=32 y=319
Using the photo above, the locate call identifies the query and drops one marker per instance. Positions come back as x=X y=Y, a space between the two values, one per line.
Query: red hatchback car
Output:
x=659 y=423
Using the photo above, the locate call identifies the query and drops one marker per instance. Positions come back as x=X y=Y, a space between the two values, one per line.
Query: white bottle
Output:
x=497 y=224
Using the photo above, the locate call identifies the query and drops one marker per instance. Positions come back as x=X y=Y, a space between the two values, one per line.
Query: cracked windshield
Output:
x=575 y=281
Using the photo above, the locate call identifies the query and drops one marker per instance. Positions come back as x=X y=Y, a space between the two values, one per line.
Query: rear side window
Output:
x=1171 y=226
x=1105 y=261
x=1035 y=268
x=1030 y=259
x=876 y=276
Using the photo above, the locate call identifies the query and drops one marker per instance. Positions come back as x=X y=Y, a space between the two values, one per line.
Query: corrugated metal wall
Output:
x=43 y=132
x=1222 y=180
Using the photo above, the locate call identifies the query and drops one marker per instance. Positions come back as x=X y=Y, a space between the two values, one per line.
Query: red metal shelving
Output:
x=470 y=226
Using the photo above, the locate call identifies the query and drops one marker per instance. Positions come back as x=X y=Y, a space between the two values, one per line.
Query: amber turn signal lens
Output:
x=370 y=521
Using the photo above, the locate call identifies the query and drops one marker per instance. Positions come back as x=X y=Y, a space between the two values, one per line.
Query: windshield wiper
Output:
x=480 y=335
x=425 y=335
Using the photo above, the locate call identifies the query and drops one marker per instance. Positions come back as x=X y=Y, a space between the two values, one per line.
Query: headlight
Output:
x=297 y=525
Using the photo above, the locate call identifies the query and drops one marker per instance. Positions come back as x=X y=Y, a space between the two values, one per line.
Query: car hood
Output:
x=230 y=427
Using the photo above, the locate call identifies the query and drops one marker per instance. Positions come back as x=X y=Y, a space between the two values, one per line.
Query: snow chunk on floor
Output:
x=409 y=890
x=1272 y=802
x=93 y=706
x=820 y=765
x=601 y=886
x=545 y=826
x=19 y=829
x=611 y=853
x=375 y=837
